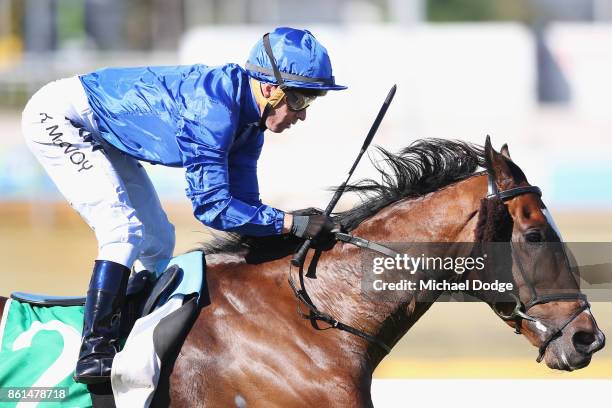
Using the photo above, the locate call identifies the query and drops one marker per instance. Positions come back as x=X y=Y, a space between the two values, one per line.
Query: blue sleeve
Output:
x=243 y=171
x=205 y=146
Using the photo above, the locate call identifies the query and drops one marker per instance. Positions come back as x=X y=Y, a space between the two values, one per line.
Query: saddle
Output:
x=144 y=293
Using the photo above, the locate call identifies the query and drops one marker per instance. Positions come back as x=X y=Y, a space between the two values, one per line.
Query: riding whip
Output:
x=298 y=257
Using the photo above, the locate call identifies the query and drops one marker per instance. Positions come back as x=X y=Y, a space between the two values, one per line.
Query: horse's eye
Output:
x=533 y=236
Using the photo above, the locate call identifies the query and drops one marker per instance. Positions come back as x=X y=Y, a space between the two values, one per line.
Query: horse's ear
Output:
x=496 y=163
x=489 y=153
x=505 y=151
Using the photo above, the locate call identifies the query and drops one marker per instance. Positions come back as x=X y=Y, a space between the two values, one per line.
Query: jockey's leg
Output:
x=101 y=322
x=158 y=234
x=87 y=178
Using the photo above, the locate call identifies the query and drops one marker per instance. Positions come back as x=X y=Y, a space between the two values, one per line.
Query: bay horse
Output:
x=250 y=348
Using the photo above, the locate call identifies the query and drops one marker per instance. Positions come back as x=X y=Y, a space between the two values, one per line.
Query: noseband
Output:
x=521 y=310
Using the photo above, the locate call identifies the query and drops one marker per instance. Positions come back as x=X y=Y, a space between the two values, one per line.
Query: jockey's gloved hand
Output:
x=324 y=243
x=317 y=227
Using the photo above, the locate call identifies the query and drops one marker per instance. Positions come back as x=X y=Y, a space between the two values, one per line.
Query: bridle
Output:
x=314 y=314
x=521 y=310
x=519 y=313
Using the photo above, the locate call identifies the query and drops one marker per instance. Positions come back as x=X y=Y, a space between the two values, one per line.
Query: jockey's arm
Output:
x=205 y=154
x=243 y=178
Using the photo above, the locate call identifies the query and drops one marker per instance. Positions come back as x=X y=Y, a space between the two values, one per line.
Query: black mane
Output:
x=423 y=167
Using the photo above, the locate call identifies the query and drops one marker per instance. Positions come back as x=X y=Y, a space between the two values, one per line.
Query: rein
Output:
x=314 y=314
x=298 y=258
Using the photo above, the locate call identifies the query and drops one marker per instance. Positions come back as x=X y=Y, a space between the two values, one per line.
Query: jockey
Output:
x=90 y=132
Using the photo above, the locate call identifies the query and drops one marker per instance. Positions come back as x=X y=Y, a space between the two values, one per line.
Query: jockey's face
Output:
x=280 y=117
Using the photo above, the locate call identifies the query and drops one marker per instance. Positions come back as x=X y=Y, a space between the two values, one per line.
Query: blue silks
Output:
x=198 y=117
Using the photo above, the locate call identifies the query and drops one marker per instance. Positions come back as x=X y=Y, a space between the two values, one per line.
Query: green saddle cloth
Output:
x=39 y=347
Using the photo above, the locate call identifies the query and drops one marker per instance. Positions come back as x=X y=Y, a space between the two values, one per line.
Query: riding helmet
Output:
x=302 y=61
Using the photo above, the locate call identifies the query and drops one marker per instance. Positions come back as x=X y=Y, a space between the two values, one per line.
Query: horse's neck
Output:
x=441 y=216
x=447 y=215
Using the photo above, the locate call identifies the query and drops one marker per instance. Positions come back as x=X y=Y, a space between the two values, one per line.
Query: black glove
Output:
x=317 y=227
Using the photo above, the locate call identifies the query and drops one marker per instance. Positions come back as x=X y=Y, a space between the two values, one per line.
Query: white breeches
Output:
x=110 y=190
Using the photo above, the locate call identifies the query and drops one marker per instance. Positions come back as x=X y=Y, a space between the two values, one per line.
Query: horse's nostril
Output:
x=583 y=341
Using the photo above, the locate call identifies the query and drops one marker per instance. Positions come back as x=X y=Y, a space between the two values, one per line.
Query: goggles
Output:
x=297 y=101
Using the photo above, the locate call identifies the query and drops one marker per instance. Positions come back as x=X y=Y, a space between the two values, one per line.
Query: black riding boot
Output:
x=105 y=299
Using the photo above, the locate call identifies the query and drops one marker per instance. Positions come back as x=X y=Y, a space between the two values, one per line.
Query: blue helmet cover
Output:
x=297 y=52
